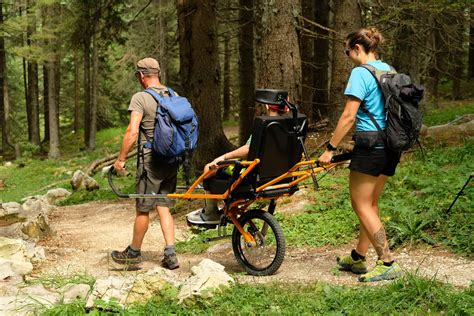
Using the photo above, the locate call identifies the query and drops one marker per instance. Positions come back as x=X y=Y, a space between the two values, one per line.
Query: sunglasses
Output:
x=347 y=51
x=137 y=74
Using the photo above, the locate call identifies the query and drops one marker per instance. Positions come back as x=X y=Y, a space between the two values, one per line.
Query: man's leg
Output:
x=170 y=260
x=142 y=220
x=167 y=224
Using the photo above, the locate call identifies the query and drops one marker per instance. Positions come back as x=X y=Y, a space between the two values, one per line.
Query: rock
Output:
x=40 y=293
x=72 y=292
x=35 y=205
x=8 y=164
x=82 y=181
x=12 y=230
x=209 y=277
x=220 y=248
x=110 y=288
x=37 y=228
x=14 y=268
x=151 y=283
x=10 y=208
x=56 y=195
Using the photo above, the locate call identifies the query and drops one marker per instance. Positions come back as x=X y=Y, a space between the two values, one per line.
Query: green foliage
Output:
x=447 y=113
x=409 y=295
x=197 y=243
x=57 y=280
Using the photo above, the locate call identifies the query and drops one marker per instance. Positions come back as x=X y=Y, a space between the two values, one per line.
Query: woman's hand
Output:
x=326 y=157
x=213 y=164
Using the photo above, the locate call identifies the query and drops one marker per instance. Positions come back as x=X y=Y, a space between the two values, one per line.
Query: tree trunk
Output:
x=227 y=101
x=471 y=46
x=246 y=69
x=161 y=45
x=278 y=54
x=53 y=118
x=307 y=59
x=33 y=92
x=87 y=91
x=77 y=106
x=199 y=67
x=434 y=64
x=94 y=93
x=347 y=18
x=46 y=102
x=3 y=71
x=321 y=62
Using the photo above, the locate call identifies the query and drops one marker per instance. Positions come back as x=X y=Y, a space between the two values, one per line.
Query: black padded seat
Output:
x=275 y=142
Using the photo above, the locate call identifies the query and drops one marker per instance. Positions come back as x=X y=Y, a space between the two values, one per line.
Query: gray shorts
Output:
x=154 y=176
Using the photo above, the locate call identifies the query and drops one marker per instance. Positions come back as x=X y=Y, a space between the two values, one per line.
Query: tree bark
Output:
x=46 y=102
x=347 y=19
x=321 y=62
x=471 y=45
x=307 y=59
x=33 y=91
x=87 y=91
x=246 y=69
x=77 y=105
x=3 y=71
x=226 y=90
x=278 y=54
x=53 y=118
x=94 y=94
x=199 y=67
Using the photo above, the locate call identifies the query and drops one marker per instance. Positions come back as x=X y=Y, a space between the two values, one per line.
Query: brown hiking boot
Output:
x=128 y=256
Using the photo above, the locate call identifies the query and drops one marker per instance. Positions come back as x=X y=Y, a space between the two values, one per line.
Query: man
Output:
x=153 y=174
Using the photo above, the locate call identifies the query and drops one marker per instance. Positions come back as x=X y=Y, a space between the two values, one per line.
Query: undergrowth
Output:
x=408 y=295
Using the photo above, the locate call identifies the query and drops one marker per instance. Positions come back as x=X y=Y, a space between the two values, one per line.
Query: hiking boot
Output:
x=204 y=217
x=170 y=261
x=346 y=263
x=382 y=272
x=128 y=256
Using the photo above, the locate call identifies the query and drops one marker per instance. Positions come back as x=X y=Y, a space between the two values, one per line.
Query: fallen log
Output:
x=453 y=132
x=100 y=163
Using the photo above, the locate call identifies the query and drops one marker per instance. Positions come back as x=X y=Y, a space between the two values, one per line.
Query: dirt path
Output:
x=85 y=235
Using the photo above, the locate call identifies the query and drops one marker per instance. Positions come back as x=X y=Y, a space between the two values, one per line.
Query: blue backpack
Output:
x=176 y=126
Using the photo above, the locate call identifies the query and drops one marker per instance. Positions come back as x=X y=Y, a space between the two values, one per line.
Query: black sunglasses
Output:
x=347 y=51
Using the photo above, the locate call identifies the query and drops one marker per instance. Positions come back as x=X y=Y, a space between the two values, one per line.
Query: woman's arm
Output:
x=345 y=123
x=241 y=152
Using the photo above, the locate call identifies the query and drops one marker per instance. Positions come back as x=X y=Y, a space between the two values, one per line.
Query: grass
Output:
x=409 y=295
x=447 y=113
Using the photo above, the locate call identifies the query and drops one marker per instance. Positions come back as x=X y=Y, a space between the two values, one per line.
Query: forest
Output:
x=67 y=72
x=67 y=66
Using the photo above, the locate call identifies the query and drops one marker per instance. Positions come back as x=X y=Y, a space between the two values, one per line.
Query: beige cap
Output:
x=148 y=66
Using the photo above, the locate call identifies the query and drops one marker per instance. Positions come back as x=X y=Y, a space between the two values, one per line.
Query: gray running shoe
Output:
x=204 y=217
x=170 y=261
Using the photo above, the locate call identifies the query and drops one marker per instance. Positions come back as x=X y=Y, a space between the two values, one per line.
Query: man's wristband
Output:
x=330 y=147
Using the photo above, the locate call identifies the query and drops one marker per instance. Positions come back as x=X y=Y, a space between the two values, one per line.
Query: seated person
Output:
x=210 y=215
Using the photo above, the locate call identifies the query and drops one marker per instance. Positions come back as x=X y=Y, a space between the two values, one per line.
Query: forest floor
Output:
x=86 y=234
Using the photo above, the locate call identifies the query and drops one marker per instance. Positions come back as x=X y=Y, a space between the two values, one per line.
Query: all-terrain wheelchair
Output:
x=276 y=164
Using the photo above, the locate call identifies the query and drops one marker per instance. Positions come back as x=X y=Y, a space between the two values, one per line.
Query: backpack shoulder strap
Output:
x=155 y=95
x=377 y=75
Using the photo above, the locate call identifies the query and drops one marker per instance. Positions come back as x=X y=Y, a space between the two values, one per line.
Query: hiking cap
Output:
x=148 y=66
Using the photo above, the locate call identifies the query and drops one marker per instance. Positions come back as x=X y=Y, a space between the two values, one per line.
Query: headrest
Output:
x=271 y=96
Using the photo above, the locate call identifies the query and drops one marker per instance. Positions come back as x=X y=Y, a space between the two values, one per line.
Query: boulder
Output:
x=71 y=292
x=10 y=208
x=14 y=268
x=151 y=283
x=16 y=256
x=55 y=195
x=209 y=277
x=37 y=227
x=111 y=288
x=80 y=180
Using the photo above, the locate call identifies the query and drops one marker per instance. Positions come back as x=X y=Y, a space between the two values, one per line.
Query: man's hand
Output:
x=326 y=157
x=119 y=165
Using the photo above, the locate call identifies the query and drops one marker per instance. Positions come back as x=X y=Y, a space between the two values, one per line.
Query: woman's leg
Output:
x=364 y=241
x=365 y=191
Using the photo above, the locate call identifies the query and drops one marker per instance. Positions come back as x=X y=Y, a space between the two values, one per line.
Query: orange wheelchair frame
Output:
x=251 y=241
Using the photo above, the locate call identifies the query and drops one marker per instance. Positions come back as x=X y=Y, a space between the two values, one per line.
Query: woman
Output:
x=371 y=162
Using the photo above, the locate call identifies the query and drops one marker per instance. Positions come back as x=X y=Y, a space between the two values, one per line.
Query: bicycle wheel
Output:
x=267 y=255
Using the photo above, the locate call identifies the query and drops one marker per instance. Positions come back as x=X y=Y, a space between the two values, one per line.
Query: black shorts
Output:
x=154 y=176
x=374 y=161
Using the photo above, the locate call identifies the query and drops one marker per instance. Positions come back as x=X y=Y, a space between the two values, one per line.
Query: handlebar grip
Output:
x=112 y=186
x=341 y=157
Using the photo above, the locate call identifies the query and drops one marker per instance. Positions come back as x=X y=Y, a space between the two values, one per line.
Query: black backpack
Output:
x=401 y=99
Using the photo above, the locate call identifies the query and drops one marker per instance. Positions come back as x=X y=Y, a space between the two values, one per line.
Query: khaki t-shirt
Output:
x=145 y=104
